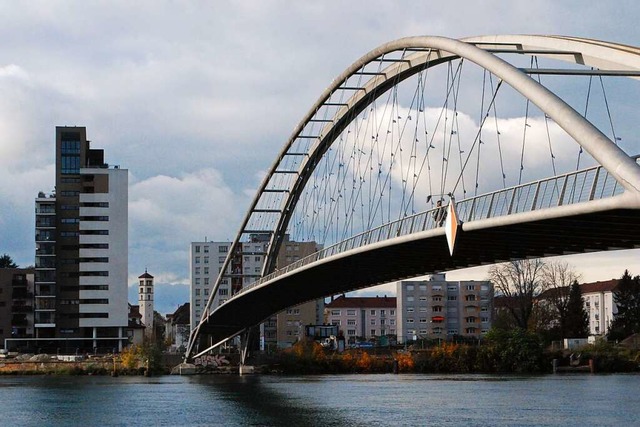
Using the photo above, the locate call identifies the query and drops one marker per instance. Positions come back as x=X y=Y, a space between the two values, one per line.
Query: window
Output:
x=453 y=288
x=206 y=270
x=197 y=270
x=351 y=312
x=372 y=321
x=221 y=259
x=409 y=309
x=470 y=298
x=423 y=288
x=471 y=287
x=383 y=312
x=423 y=320
x=206 y=260
x=409 y=299
x=257 y=259
x=392 y=312
x=437 y=298
x=382 y=321
x=197 y=303
x=197 y=260
x=409 y=287
x=437 y=308
x=452 y=298
x=436 y=288
x=206 y=249
x=197 y=280
x=335 y=323
x=373 y=332
x=206 y=280
x=223 y=291
x=373 y=312
x=223 y=249
x=422 y=309
x=484 y=287
x=197 y=292
x=410 y=320
x=351 y=322
x=351 y=332
x=484 y=319
x=335 y=312
x=392 y=321
x=423 y=298
x=206 y=291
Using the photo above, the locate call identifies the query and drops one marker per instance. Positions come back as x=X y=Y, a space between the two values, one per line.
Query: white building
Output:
x=205 y=263
x=81 y=260
x=145 y=301
x=437 y=308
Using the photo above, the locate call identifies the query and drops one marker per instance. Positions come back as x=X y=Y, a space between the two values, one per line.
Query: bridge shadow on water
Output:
x=253 y=400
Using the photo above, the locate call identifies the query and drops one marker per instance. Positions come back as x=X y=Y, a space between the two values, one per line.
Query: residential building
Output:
x=206 y=260
x=177 y=332
x=598 y=302
x=16 y=303
x=135 y=330
x=438 y=308
x=290 y=323
x=363 y=318
x=81 y=261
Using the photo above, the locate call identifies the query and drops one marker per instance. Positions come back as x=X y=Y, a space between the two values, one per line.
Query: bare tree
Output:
x=558 y=276
x=519 y=282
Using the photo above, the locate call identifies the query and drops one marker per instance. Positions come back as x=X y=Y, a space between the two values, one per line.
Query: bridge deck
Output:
x=412 y=256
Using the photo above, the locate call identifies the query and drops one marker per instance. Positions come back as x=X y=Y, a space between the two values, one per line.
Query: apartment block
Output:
x=363 y=318
x=437 y=308
x=81 y=260
x=206 y=260
x=16 y=303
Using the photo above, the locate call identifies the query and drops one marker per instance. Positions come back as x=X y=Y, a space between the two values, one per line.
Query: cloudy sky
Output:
x=196 y=98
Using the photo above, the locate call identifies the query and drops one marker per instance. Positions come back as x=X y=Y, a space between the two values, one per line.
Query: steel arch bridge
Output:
x=592 y=208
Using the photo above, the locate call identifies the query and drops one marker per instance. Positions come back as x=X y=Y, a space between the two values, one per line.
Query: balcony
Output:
x=19 y=320
x=21 y=308
x=21 y=293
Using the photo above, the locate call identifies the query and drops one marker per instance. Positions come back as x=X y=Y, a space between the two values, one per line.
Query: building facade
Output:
x=81 y=261
x=206 y=260
x=437 y=308
x=145 y=297
x=363 y=318
x=16 y=303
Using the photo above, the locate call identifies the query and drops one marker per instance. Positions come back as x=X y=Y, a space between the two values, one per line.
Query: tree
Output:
x=576 y=318
x=626 y=296
x=7 y=262
x=519 y=282
x=558 y=278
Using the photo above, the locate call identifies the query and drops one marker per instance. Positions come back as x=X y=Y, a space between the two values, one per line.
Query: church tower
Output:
x=145 y=297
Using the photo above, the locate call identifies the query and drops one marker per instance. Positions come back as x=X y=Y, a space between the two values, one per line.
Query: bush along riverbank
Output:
x=515 y=351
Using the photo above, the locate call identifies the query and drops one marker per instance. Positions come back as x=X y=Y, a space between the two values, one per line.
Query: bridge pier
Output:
x=243 y=368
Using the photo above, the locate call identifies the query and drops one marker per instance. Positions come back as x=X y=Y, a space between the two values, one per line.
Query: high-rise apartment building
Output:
x=206 y=260
x=437 y=308
x=82 y=251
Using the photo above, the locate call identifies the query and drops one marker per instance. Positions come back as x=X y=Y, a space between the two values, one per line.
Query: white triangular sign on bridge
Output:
x=451 y=225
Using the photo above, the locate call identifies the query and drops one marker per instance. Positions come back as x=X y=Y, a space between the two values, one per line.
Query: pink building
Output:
x=362 y=318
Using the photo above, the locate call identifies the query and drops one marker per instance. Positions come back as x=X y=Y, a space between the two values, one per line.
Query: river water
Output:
x=326 y=400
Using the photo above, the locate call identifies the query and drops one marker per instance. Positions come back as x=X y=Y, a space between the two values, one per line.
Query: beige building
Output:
x=288 y=326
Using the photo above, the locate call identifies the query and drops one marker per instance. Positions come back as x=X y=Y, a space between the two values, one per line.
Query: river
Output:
x=326 y=400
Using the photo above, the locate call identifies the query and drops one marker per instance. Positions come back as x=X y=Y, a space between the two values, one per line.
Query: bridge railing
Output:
x=574 y=187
